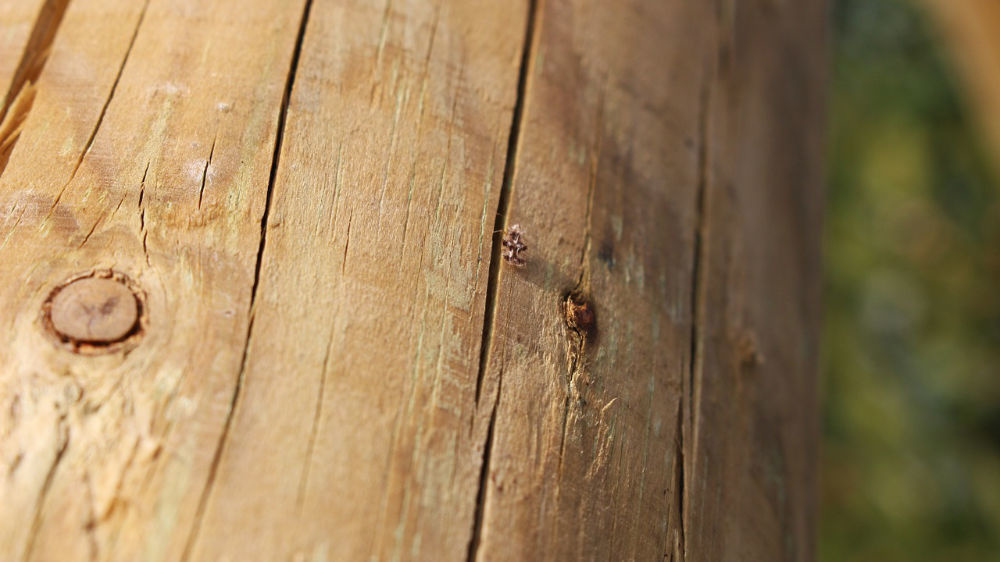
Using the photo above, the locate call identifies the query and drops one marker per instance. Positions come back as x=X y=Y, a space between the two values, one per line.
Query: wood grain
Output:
x=585 y=451
x=750 y=486
x=147 y=150
x=332 y=361
x=357 y=412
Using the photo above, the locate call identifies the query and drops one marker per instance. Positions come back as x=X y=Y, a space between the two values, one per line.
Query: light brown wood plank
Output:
x=585 y=449
x=356 y=426
x=332 y=361
x=147 y=150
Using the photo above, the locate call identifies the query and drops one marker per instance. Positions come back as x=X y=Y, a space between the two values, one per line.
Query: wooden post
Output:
x=255 y=306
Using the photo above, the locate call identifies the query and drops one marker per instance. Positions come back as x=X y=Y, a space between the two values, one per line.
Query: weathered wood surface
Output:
x=330 y=360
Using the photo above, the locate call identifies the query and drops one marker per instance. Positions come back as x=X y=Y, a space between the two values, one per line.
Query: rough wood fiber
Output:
x=331 y=361
x=584 y=461
x=750 y=485
x=357 y=410
x=147 y=150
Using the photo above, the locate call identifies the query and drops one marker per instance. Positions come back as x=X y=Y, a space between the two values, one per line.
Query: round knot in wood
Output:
x=95 y=311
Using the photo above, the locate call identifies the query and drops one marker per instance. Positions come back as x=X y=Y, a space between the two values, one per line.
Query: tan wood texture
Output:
x=585 y=423
x=751 y=444
x=147 y=150
x=356 y=409
x=325 y=355
x=26 y=31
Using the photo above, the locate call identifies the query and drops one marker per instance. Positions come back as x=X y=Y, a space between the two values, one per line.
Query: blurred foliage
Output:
x=912 y=337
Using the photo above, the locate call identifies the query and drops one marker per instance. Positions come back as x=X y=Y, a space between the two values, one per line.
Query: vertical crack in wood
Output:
x=18 y=96
x=492 y=286
x=86 y=237
x=503 y=203
x=237 y=391
x=690 y=397
x=583 y=281
x=676 y=545
x=104 y=108
x=347 y=242
x=382 y=37
x=204 y=172
x=142 y=215
x=576 y=346
x=314 y=426
x=484 y=470
x=425 y=76
x=98 y=222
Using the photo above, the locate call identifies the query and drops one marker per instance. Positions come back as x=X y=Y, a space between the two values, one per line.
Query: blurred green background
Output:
x=911 y=359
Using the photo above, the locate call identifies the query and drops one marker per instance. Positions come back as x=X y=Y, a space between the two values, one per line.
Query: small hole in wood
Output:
x=580 y=316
